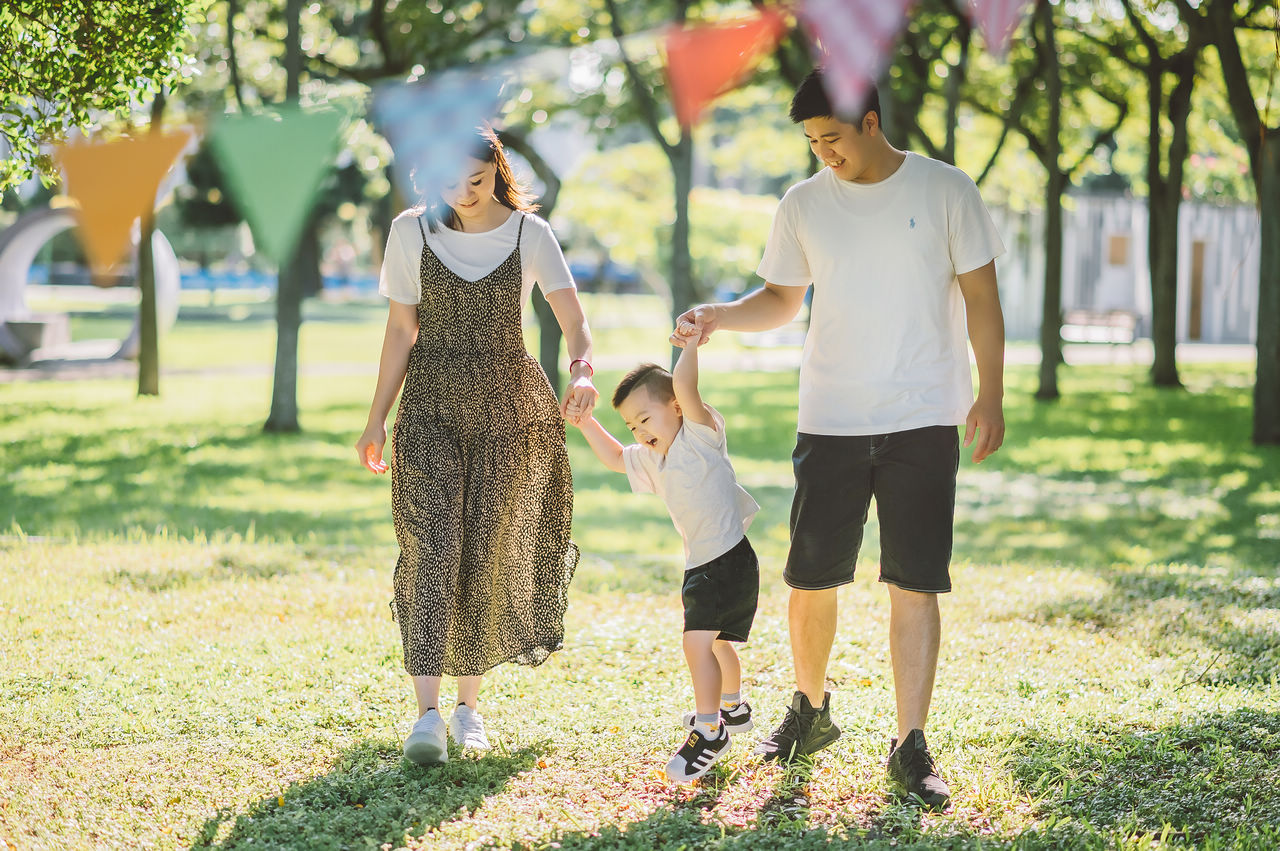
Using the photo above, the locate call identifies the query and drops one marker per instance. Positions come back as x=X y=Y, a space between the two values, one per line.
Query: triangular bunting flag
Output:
x=706 y=60
x=432 y=126
x=851 y=39
x=115 y=182
x=274 y=164
x=997 y=20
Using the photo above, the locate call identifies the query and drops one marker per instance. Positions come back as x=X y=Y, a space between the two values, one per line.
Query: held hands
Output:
x=579 y=400
x=696 y=324
x=369 y=447
x=986 y=419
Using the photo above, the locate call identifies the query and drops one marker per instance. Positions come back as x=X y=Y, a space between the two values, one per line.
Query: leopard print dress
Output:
x=482 y=494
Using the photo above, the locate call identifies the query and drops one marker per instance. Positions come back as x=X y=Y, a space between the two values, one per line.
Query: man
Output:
x=900 y=252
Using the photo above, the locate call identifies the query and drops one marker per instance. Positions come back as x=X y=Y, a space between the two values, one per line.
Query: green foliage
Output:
x=619 y=199
x=65 y=61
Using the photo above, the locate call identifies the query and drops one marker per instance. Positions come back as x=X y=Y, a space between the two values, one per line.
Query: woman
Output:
x=481 y=489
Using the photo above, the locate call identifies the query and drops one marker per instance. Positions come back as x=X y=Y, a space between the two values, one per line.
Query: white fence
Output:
x=1104 y=266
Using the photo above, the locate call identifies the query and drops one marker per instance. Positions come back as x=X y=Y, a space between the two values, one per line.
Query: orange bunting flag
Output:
x=706 y=60
x=998 y=19
x=116 y=182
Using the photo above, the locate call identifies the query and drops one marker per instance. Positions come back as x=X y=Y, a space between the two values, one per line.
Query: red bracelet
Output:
x=575 y=361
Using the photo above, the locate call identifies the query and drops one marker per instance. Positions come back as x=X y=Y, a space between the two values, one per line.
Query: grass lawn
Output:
x=195 y=648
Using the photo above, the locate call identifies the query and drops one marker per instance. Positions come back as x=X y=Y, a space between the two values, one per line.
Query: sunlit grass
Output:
x=195 y=646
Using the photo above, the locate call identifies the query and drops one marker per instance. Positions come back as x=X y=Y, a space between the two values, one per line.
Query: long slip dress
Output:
x=481 y=491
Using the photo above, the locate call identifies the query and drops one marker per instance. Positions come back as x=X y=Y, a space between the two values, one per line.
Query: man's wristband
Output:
x=590 y=369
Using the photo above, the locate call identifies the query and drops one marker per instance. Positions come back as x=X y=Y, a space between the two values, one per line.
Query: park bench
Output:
x=1117 y=327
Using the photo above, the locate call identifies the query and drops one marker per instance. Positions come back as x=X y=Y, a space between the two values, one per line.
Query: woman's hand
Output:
x=579 y=400
x=369 y=447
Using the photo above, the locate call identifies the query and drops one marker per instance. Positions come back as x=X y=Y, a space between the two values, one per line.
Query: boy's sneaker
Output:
x=466 y=727
x=912 y=771
x=735 y=720
x=426 y=743
x=697 y=755
x=804 y=731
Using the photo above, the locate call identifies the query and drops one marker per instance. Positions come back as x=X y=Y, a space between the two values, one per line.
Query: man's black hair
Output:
x=811 y=101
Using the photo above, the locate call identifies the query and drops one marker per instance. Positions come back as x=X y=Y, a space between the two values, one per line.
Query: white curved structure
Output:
x=20 y=243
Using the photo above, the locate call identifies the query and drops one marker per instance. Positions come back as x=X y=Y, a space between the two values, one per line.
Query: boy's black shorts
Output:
x=722 y=593
x=912 y=475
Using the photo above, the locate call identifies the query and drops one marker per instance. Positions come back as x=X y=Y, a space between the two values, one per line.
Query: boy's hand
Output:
x=579 y=400
x=701 y=318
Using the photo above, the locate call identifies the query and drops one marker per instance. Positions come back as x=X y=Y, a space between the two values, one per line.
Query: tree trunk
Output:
x=148 y=324
x=1051 y=315
x=284 y=388
x=549 y=332
x=1163 y=245
x=1266 y=393
x=289 y=279
x=682 y=290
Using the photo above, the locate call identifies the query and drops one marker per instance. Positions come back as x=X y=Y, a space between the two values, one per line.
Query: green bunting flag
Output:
x=274 y=165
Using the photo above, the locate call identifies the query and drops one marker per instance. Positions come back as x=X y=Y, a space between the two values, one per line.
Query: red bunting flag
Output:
x=706 y=60
x=998 y=20
x=851 y=40
x=116 y=182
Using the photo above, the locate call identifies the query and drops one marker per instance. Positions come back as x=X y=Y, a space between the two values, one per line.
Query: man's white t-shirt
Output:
x=472 y=255
x=887 y=345
x=710 y=509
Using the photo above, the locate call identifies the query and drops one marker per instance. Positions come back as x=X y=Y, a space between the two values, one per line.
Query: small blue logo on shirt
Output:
x=911 y=223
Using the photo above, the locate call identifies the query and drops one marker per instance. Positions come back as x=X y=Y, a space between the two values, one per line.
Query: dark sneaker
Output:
x=803 y=731
x=735 y=720
x=912 y=771
x=697 y=755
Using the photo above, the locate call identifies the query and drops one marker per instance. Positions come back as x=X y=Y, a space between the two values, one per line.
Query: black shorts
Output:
x=722 y=593
x=912 y=475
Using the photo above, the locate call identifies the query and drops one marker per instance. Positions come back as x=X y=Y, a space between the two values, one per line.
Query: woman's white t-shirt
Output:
x=471 y=256
x=887 y=345
x=710 y=510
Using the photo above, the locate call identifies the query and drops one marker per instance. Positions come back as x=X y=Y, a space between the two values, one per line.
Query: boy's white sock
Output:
x=708 y=725
x=728 y=701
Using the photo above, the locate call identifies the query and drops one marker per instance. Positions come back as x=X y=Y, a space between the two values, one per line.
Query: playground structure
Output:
x=27 y=336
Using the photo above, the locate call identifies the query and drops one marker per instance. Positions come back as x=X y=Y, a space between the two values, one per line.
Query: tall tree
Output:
x=67 y=60
x=1035 y=112
x=1162 y=57
x=1221 y=24
x=679 y=153
x=289 y=287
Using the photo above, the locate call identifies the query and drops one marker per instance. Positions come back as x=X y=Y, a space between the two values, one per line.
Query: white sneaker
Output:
x=426 y=742
x=466 y=727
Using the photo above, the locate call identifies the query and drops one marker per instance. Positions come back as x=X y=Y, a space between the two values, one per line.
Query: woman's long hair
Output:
x=508 y=191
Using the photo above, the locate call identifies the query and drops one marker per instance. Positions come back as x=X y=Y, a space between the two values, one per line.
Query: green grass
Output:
x=195 y=648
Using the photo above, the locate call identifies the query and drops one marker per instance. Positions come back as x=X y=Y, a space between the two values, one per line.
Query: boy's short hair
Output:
x=811 y=101
x=649 y=376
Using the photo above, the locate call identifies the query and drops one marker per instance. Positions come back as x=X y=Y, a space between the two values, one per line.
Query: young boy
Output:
x=680 y=454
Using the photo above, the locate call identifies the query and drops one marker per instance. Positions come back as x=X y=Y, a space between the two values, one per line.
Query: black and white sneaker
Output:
x=697 y=755
x=735 y=720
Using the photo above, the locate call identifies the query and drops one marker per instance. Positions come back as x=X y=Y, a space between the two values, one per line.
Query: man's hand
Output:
x=986 y=419
x=701 y=321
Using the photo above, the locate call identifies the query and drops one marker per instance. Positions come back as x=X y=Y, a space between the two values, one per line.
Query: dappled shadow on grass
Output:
x=1187 y=611
x=1120 y=472
x=191 y=480
x=1210 y=780
x=372 y=796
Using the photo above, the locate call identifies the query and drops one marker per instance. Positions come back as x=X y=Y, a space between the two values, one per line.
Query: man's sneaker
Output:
x=466 y=727
x=735 y=720
x=697 y=755
x=803 y=731
x=426 y=742
x=912 y=771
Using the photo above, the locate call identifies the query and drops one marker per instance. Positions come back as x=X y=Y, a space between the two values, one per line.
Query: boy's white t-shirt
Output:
x=472 y=255
x=887 y=345
x=710 y=509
